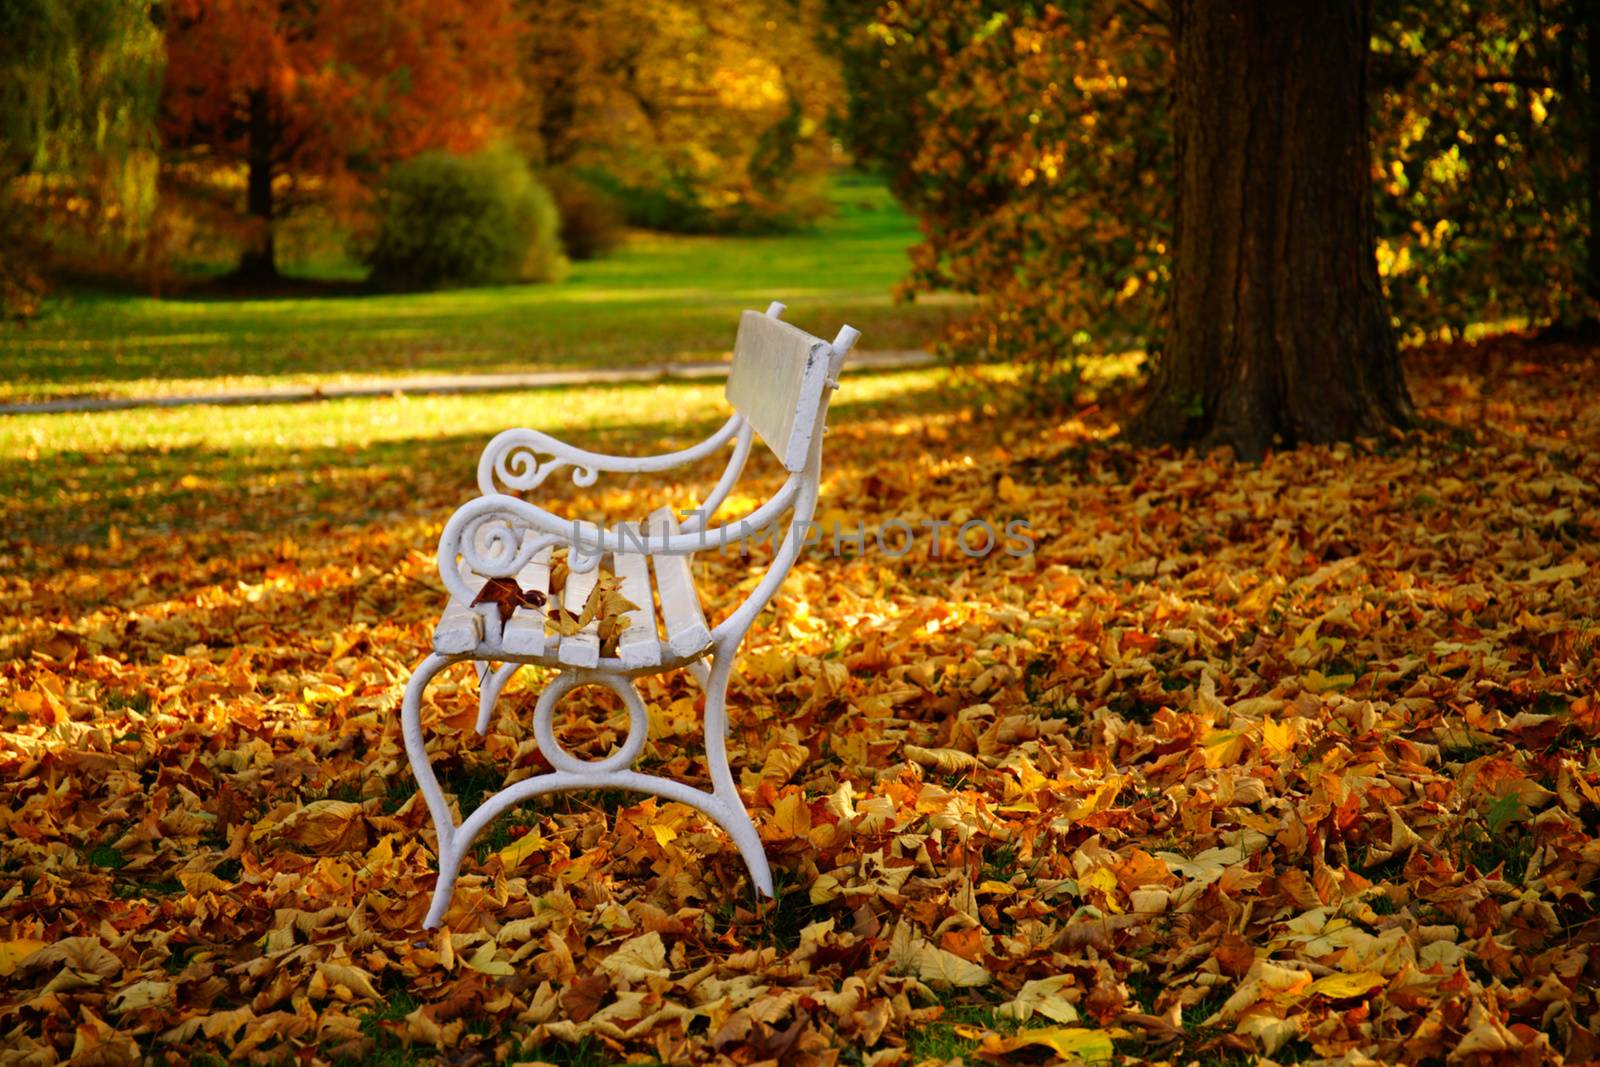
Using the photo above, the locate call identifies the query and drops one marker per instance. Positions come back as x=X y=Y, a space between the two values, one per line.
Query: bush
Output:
x=682 y=204
x=591 y=219
x=446 y=220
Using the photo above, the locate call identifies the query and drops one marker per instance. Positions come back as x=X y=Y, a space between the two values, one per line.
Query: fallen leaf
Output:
x=1068 y=1042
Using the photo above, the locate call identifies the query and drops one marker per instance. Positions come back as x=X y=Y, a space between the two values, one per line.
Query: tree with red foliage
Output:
x=315 y=96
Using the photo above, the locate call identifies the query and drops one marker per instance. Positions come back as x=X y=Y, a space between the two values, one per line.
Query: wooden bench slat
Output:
x=639 y=645
x=687 y=632
x=583 y=648
x=524 y=632
x=459 y=630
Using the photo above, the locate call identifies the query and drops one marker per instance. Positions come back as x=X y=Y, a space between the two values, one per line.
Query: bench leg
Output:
x=422 y=769
x=700 y=673
x=735 y=818
x=489 y=685
x=722 y=805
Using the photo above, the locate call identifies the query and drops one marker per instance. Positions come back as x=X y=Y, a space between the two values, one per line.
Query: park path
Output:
x=884 y=359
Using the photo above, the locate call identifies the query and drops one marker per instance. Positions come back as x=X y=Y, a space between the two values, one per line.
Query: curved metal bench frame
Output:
x=780 y=385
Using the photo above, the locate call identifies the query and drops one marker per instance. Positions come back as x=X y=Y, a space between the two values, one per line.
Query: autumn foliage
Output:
x=311 y=101
x=1032 y=148
x=455 y=220
x=1482 y=163
x=1035 y=144
x=698 y=116
x=1297 y=759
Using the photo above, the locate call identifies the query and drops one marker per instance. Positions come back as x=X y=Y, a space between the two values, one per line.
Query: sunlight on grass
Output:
x=73 y=477
x=670 y=406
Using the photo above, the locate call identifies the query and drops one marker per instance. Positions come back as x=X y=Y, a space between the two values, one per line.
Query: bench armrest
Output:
x=517 y=460
x=497 y=535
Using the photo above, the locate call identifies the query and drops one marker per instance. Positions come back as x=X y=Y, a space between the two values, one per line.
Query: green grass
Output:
x=107 y=857
x=71 y=477
x=659 y=298
x=940 y=1040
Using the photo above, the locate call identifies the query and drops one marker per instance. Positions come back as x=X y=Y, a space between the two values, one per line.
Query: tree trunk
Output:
x=1591 y=130
x=259 y=261
x=1278 y=332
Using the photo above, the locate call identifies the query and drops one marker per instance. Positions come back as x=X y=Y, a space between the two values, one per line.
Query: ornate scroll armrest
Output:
x=496 y=536
x=518 y=460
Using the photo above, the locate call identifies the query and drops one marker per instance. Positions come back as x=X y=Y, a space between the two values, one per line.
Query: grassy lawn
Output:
x=69 y=478
x=659 y=298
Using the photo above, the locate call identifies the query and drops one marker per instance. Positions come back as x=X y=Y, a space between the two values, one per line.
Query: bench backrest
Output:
x=778 y=382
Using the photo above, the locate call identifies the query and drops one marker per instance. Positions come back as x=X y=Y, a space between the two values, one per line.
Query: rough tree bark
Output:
x=1591 y=129
x=1278 y=333
x=259 y=260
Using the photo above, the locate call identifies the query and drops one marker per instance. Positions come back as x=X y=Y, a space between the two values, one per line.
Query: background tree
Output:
x=1488 y=161
x=702 y=115
x=1036 y=146
x=1032 y=145
x=891 y=57
x=78 y=90
x=1278 y=332
x=314 y=97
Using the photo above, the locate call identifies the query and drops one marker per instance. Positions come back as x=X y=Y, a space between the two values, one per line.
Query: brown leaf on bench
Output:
x=510 y=596
x=611 y=608
x=558 y=575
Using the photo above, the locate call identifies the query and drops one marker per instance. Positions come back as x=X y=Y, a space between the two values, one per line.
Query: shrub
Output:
x=591 y=219
x=684 y=204
x=446 y=220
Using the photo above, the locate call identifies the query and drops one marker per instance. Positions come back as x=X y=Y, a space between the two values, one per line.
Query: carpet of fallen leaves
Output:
x=1294 y=760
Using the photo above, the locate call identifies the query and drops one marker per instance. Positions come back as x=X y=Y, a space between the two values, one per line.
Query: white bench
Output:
x=779 y=386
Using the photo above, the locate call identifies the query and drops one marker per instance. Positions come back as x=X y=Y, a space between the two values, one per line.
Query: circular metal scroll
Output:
x=559 y=757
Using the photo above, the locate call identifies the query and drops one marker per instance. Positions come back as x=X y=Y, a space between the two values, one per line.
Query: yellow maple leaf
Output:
x=1012 y=493
x=638 y=958
x=1278 y=736
x=483 y=961
x=1043 y=996
x=1104 y=883
x=1102 y=798
x=916 y=955
x=1344 y=986
x=1069 y=1042
x=1317 y=682
x=14 y=952
x=791 y=817
x=529 y=844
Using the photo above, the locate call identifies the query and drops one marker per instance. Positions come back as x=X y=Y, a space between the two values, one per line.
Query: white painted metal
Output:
x=519 y=460
x=780 y=384
x=709 y=507
x=496 y=536
x=490 y=682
